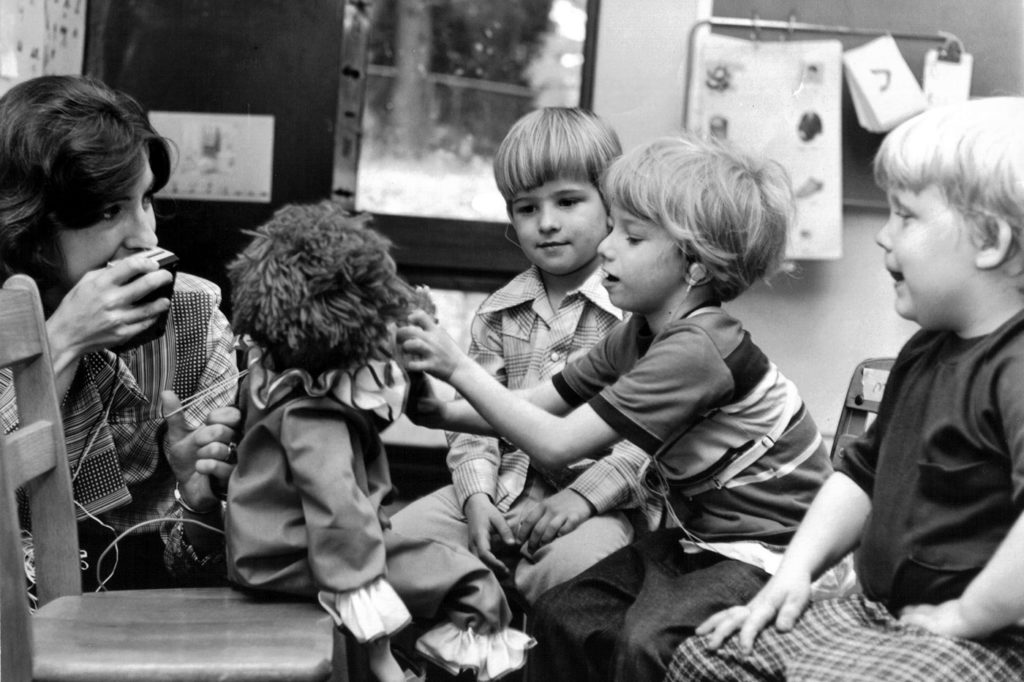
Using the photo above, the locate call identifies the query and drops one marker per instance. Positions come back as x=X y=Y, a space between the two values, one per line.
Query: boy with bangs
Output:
x=732 y=451
x=931 y=496
x=547 y=169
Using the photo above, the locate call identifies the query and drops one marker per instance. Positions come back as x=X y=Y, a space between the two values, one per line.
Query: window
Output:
x=445 y=81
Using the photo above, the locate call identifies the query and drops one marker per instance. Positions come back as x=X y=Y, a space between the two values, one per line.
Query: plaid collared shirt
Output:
x=518 y=340
x=112 y=421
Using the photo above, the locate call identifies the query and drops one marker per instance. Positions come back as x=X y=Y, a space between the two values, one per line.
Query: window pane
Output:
x=446 y=80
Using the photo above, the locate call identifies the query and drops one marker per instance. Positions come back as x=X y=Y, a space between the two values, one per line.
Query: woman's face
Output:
x=128 y=226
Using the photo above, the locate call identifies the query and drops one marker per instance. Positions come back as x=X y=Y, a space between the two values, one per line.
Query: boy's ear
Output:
x=994 y=250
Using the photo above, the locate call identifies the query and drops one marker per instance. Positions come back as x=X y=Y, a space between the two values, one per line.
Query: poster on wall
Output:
x=782 y=99
x=39 y=37
x=219 y=157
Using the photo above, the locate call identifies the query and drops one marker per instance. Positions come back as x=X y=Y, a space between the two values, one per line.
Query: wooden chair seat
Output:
x=184 y=634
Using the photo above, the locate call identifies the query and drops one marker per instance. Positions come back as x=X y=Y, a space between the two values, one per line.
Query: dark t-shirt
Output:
x=943 y=464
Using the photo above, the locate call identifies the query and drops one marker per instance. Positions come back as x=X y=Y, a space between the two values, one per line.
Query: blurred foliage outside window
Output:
x=446 y=80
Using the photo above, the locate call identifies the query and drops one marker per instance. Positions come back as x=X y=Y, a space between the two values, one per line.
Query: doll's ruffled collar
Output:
x=379 y=386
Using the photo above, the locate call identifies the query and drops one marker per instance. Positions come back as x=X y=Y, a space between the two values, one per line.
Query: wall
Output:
x=819 y=322
x=640 y=70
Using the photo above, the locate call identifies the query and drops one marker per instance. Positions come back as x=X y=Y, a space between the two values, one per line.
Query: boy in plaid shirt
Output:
x=540 y=527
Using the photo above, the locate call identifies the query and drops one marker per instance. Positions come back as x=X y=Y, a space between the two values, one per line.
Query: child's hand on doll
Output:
x=426 y=347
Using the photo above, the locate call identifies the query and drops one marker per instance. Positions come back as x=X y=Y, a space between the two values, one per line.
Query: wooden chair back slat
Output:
x=30 y=452
x=33 y=458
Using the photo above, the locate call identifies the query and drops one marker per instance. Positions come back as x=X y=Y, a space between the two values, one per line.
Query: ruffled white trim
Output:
x=490 y=656
x=370 y=612
x=379 y=386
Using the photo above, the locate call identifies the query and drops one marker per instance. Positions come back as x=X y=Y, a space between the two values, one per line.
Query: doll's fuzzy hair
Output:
x=317 y=289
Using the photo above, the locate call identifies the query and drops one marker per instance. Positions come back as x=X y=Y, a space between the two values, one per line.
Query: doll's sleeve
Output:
x=345 y=538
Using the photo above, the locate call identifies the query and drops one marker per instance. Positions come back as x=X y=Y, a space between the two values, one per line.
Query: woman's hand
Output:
x=782 y=600
x=100 y=312
x=426 y=347
x=197 y=454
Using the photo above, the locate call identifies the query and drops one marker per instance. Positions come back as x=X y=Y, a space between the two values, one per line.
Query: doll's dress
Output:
x=304 y=500
x=304 y=517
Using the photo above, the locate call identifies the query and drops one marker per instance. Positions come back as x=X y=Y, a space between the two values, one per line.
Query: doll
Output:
x=316 y=298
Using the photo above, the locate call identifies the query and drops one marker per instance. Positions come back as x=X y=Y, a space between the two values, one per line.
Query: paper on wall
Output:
x=40 y=37
x=947 y=81
x=782 y=99
x=221 y=157
x=884 y=90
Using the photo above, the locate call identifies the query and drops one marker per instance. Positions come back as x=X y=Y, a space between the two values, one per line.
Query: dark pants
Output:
x=622 y=619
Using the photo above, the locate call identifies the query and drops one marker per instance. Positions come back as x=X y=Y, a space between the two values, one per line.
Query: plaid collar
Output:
x=527 y=286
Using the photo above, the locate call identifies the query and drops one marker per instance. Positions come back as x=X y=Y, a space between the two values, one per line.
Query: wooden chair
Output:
x=178 y=634
x=861 y=402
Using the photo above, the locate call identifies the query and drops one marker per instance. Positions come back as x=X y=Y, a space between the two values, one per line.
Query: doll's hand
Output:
x=553 y=517
x=197 y=454
x=422 y=299
x=427 y=347
x=424 y=408
x=486 y=525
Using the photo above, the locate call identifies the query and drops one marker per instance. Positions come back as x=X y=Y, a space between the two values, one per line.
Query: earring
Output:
x=697 y=275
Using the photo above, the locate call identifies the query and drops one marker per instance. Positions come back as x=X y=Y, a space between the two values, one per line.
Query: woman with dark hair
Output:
x=79 y=165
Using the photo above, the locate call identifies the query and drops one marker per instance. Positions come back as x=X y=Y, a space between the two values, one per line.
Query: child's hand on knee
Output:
x=780 y=602
x=489 y=533
x=552 y=518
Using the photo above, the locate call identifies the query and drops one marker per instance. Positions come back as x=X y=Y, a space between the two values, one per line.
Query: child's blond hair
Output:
x=550 y=144
x=973 y=152
x=726 y=209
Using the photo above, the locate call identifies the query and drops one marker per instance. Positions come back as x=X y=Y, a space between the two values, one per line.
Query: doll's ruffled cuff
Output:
x=489 y=656
x=369 y=612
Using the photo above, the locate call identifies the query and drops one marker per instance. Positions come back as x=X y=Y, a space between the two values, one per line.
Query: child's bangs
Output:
x=909 y=159
x=534 y=165
x=633 y=185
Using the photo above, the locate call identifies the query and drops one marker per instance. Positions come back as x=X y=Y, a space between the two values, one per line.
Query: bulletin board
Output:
x=40 y=37
x=994 y=35
x=263 y=76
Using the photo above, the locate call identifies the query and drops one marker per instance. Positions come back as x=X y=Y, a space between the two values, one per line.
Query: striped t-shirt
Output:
x=697 y=397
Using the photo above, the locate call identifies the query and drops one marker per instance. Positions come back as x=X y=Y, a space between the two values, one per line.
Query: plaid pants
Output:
x=854 y=639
